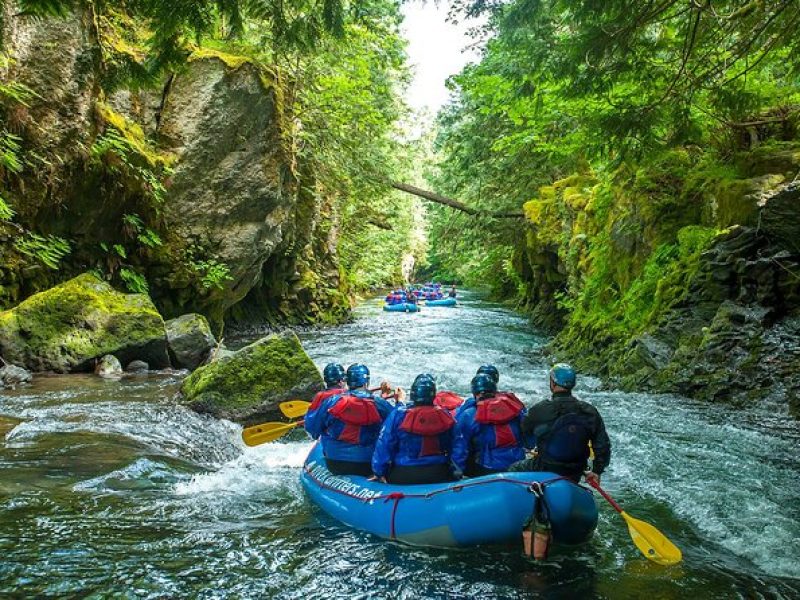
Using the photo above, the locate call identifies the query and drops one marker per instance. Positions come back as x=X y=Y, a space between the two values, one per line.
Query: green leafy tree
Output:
x=567 y=86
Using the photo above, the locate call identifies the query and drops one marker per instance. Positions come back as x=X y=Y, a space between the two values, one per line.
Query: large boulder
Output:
x=234 y=184
x=247 y=386
x=67 y=327
x=190 y=340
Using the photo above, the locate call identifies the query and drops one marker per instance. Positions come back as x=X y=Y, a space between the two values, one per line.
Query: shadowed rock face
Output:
x=56 y=58
x=690 y=286
x=736 y=336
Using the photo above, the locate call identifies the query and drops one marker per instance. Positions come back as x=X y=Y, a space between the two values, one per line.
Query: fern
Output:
x=212 y=273
x=135 y=282
x=47 y=250
x=10 y=152
x=149 y=238
x=134 y=228
x=6 y=212
x=120 y=155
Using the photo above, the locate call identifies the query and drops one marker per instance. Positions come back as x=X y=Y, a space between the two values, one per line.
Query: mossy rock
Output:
x=68 y=326
x=190 y=340
x=247 y=386
x=736 y=202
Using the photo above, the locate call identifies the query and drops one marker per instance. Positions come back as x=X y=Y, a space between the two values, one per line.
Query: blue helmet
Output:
x=333 y=373
x=483 y=384
x=357 y=376
x=563 y=375
x=489 y=370
x=423 y=390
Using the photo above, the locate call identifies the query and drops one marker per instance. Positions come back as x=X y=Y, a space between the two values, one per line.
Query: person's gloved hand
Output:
x=592 y=478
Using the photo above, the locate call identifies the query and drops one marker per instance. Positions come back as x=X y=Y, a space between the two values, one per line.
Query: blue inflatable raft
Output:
x=402 y=307
x=442 y=302
x=484 y=510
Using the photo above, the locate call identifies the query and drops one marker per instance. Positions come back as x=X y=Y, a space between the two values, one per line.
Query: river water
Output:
x=108 y=489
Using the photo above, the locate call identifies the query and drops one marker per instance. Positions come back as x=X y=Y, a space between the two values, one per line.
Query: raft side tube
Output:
x=483 y=510
x=442 y=302
x=401 y=307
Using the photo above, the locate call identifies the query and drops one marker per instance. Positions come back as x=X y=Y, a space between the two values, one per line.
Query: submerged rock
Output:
x=68 y=327
x=11 y=376
x=190 y=341
x=247 y=386
x=137 y=366
x=109 y=367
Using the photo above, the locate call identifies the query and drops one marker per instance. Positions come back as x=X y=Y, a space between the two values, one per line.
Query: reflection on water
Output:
x=109 y=488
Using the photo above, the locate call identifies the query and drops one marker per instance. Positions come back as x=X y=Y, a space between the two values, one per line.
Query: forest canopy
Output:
x=568 y=86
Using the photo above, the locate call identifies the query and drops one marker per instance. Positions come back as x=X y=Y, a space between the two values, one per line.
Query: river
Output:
x=109 y=489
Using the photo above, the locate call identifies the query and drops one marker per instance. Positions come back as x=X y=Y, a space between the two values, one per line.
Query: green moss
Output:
x=536 y=210
x=735 y=201
x=84 y=318
x=771 y=157
x=134 y=135
x=231 y=61
x=261 y=372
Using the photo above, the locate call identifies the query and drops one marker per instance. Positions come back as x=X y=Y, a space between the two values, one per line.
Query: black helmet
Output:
x=483 y=384
x=423 y=390
x=491 y=371
x=333 y=373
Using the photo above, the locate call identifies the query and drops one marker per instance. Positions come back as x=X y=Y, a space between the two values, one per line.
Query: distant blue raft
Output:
x=484 y=510
x=402 y=307
x=442 y=302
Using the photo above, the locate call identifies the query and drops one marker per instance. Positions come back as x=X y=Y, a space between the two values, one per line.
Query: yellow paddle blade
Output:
x=294 y=408
x=651 y=542
x=266 y=432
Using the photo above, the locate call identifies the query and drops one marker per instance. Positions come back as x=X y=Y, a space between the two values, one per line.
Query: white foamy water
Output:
x=258 y=468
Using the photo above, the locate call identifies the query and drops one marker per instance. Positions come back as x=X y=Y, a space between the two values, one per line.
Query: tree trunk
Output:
x=439 y=199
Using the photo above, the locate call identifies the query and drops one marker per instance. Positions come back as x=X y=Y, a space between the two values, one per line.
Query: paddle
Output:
x=294 y=408
x=649 y=540
x=297 y=408
x=267 y=432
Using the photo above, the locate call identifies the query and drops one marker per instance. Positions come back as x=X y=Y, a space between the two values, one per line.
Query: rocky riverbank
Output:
x=682 y=277
x=86 y=325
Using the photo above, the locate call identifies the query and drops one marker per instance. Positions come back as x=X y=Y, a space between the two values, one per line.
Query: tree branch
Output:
x=439 y=199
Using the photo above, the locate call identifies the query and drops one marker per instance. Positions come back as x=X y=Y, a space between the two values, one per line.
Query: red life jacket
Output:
x=498 y=411
x=355 y=413
x=450 y=401
x=428 y=422
x=324 y=395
